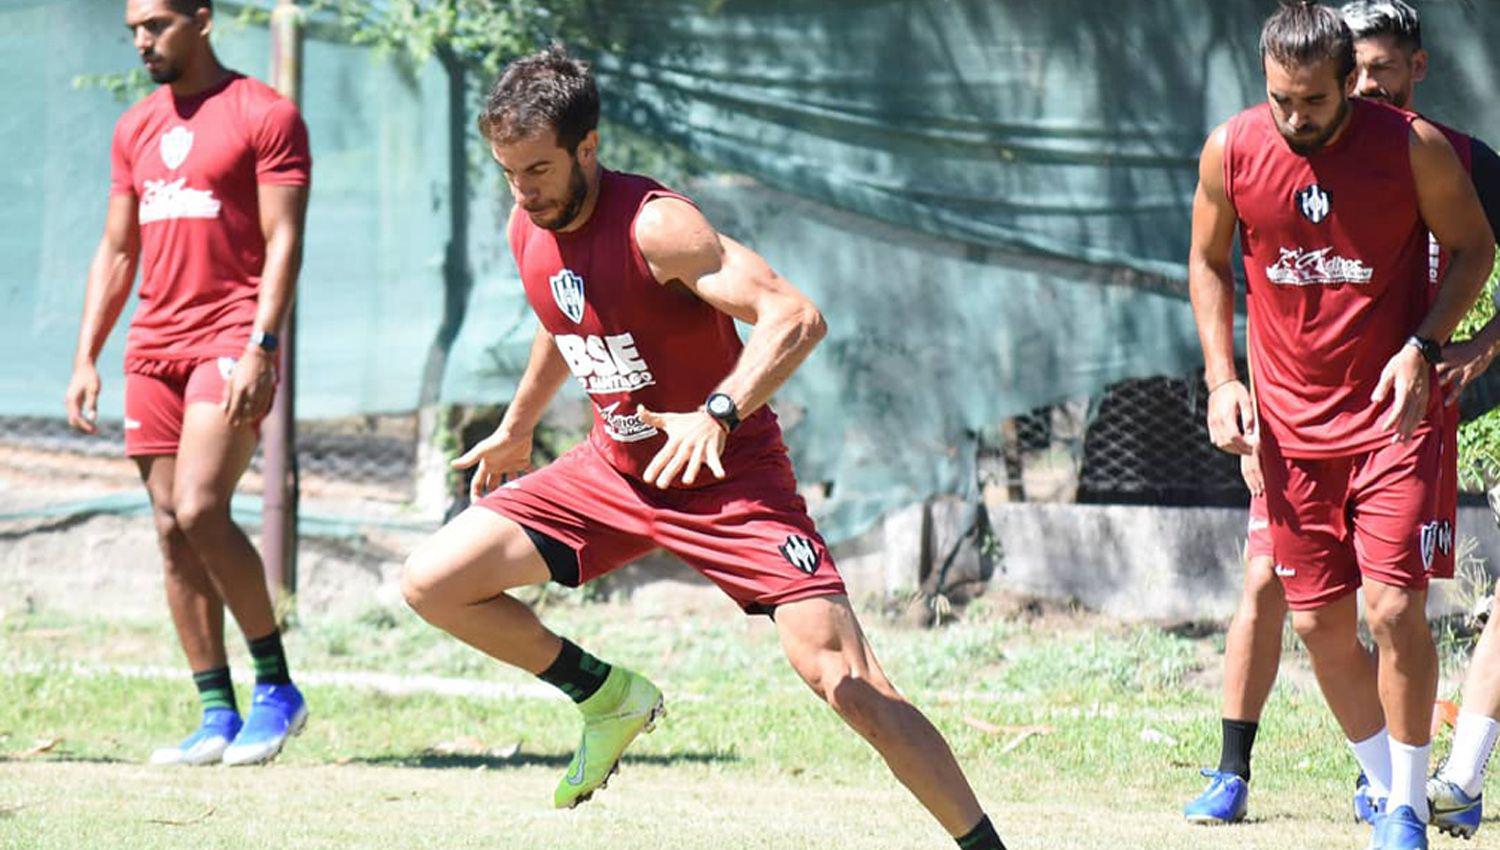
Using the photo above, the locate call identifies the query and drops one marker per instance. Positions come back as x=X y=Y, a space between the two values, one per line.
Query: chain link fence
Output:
x=1143 y=441
x=353 y=472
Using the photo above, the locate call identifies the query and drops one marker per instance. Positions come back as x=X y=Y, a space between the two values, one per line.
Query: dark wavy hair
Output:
x=548 y=90
x=1303 y=33
x=1396 y=18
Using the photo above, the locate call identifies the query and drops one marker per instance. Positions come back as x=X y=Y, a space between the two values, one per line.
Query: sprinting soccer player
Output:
x=1390 y=61
x=1334 y=198
x=637 y=297
x=208 y=188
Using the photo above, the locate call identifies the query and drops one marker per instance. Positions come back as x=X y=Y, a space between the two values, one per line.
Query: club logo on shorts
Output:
x=1436 y=537
x=175 y=145
x=567 y=291
x=226 y=367
x=1314 y=203
x=800 y=553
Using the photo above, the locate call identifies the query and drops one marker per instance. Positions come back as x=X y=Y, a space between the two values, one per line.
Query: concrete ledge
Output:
x=1141 y=562
x=1134 y=563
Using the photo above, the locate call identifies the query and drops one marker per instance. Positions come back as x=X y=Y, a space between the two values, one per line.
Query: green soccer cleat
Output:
x=624 y=707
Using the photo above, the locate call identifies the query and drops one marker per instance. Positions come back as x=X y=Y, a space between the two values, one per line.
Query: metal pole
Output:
x=279 y=512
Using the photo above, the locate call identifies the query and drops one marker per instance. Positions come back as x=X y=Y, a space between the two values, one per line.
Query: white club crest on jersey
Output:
x=175 y=146
x=1314 y=203
x=567 y=291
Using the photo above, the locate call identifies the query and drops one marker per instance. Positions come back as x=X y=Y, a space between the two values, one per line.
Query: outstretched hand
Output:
x=693 y=440
x=498 y=456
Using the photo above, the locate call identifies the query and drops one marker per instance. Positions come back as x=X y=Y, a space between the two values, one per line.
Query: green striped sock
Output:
x=215 y=689
x=270 y=660
x=575 y=672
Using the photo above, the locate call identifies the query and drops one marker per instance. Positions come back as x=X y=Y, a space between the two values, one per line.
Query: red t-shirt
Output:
x=194 y=164
x=628 y=339
x=1336 y=260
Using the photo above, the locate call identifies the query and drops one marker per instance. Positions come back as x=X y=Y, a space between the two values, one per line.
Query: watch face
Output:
x=720 y=405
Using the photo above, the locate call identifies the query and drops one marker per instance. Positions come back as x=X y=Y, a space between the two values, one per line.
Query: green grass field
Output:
x=747 y=758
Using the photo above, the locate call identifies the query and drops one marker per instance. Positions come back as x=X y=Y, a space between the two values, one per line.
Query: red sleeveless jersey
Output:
x=1336 y=260
x=1463 y=145
x=629 y=339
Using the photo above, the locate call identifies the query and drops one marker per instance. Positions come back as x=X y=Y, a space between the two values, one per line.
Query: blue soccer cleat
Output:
x=1399 y=830
x=1454 y=811
x=1366 y=807
x=1223 y=801
x=277 y=712
x=207 y=743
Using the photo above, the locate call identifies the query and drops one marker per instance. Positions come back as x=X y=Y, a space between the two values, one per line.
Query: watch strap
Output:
x=722 y=408
x=264 y=340
x=1430 y=350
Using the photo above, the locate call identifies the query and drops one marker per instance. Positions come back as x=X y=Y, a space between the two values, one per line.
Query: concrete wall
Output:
x=1130 y=562
x=1153 y=563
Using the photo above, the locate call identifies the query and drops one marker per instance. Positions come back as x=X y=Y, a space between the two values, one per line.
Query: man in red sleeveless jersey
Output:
x=1390 y=62
x=637 y=297
x=1333 y=199
x=208 y=188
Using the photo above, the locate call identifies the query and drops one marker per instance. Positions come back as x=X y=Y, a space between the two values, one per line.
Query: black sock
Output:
x=1239 y=737
x=270 y=660
x=981 y=837
x=215 y=689
x=575 y=672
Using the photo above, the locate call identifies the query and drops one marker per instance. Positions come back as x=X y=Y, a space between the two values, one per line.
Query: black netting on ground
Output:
x=1144 y=441
x=1148 y=444
x=353 y=466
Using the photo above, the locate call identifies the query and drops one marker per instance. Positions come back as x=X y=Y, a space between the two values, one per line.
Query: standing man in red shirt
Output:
x=1333 y=198
x=1390 y=61
x=637 y=296
x=208 y=191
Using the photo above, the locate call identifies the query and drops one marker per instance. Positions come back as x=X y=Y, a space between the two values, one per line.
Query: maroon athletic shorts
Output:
x=749 y=534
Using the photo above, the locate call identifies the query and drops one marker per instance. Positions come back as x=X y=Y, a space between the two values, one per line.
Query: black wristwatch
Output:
x=266 y=341
x=721 y=407
x=1431 y=351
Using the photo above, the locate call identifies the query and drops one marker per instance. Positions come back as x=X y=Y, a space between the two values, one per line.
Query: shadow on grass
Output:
x=1195 y=629
x=470 y=761
x=66 y=758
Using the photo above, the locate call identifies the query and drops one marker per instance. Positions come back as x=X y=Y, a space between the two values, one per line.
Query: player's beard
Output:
x=1314 y=144
x=167 y=73
x=1396 y=99
x=578 y=192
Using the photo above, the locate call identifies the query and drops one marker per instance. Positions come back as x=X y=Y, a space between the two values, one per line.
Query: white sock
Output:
x=1374 y=757
x=1473 y=740
x=1409 y=777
